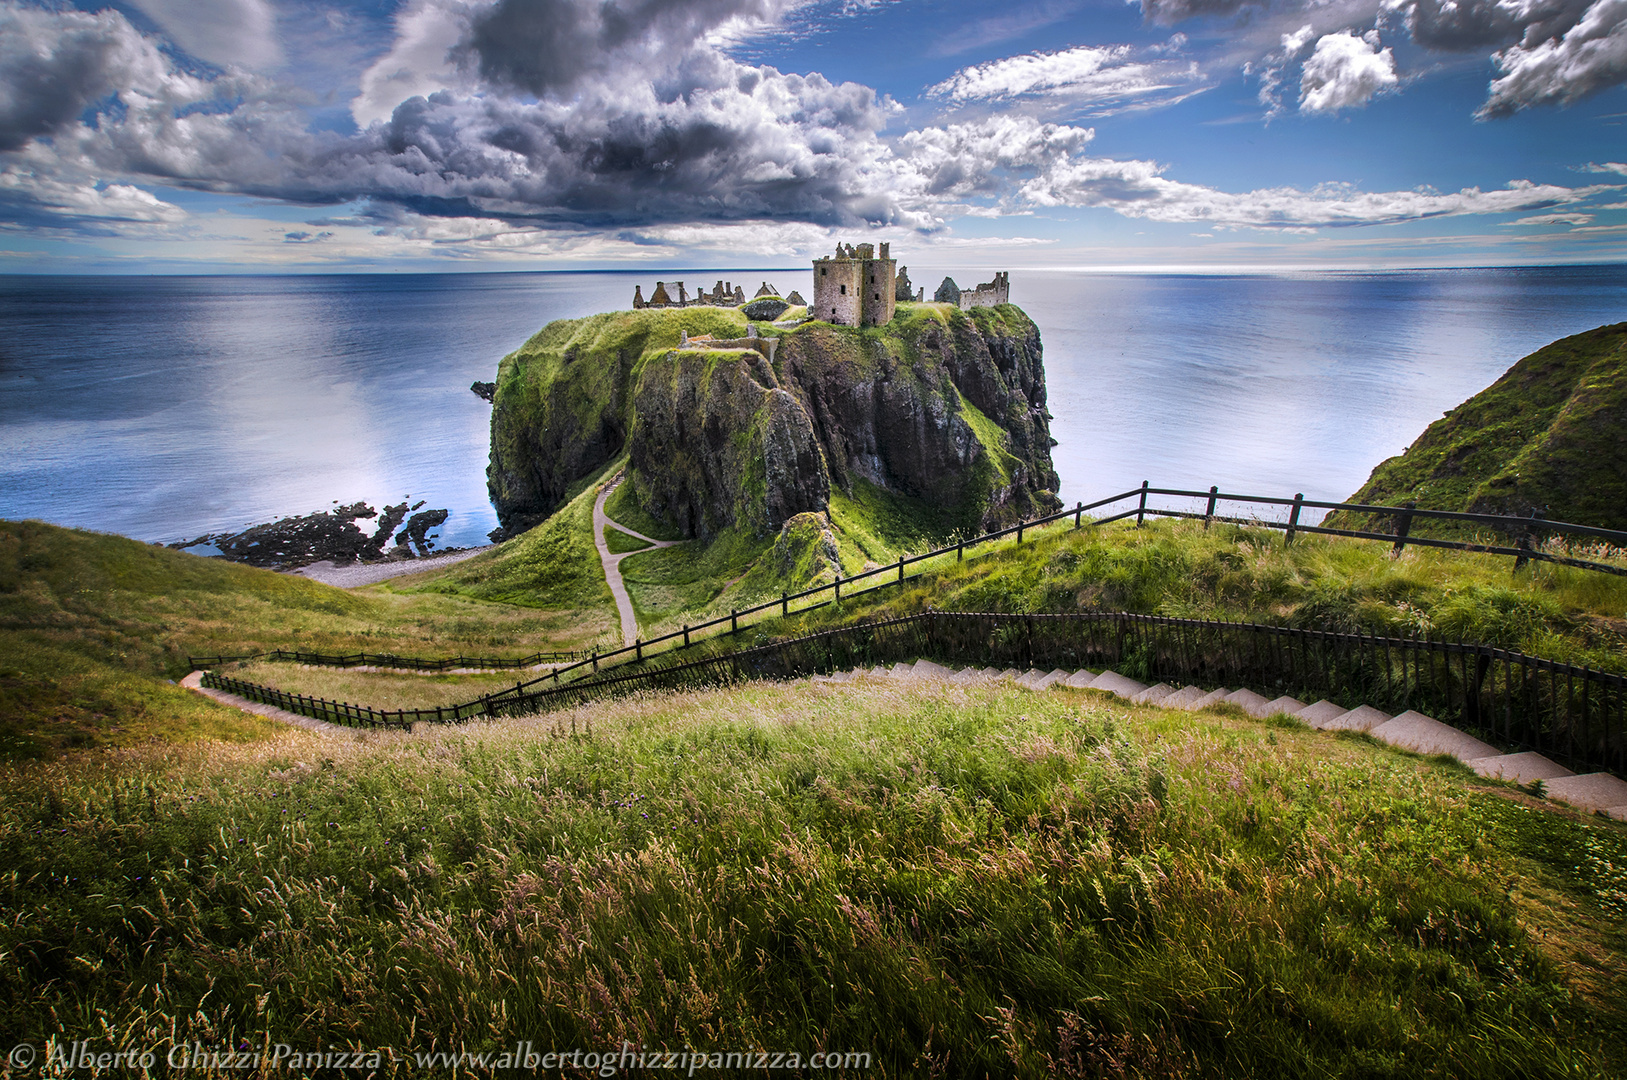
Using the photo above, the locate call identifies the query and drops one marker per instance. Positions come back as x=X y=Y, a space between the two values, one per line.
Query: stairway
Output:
x=1590 y=793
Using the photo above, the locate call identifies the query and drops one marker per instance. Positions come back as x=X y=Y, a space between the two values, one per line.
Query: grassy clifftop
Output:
x=1551 y=434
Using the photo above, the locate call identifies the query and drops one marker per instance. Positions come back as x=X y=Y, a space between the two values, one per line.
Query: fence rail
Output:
x=588 y=664
x=390 y=660
x=1572 y=713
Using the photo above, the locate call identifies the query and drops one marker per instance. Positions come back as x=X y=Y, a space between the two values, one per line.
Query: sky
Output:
x=227 y=136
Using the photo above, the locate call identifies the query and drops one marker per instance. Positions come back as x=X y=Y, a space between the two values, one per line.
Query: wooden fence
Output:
x=1572 y=713
x=390 y=660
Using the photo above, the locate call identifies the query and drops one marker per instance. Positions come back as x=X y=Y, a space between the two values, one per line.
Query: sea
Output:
x=165 y=408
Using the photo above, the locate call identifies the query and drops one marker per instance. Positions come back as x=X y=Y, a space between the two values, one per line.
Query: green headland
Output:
x=957 y=881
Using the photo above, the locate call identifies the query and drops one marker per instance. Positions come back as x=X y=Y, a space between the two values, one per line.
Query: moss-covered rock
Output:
x=1551 y=434
x=940 y=405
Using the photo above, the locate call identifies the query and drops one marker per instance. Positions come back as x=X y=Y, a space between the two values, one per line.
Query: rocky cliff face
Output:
x=943 y=406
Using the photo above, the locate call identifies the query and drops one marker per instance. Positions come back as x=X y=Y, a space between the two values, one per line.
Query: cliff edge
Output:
x=940 y=407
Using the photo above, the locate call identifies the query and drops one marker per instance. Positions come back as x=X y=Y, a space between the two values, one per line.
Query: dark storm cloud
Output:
x=53 y=65
x=548 y=46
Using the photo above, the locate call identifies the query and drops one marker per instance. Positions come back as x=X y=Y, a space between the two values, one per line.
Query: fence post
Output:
x=838 y=588
x=638 y=653
x=1403 y=525
x=734 y=621
x=1078 y=513
x=1019 y=530
x=686 y=635
x=595 y=659
x=1141 y=512
x=1524 y=543
x=901 y=569
x=785 y=603
x=960 y=550
x=1209 y=514
x=1293 y=518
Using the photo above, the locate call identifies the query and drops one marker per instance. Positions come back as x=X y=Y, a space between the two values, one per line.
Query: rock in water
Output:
x=486 y=390
x=769 y=307
x=944 y=407
x=1551 y=435
x=299 y=541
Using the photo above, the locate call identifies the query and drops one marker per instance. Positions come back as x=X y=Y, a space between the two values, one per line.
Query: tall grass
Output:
x=962 y=882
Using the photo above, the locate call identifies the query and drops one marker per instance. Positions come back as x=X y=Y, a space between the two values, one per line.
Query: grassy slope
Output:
x=963 y=882
x=93 y=628
x=1175 y=568
x=1552 y=431
x=554 y=566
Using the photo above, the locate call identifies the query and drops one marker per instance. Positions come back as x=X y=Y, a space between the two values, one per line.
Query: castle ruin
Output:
x=857 y=287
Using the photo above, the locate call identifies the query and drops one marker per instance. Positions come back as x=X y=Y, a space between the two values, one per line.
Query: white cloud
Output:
x=1137 y=189
x=1107 y=74
x=1345 y=72
x=1555 y=219
x=1591 y=56
x=84 y=201
x=418 y=63
x=1293 y=44
x=225 y=32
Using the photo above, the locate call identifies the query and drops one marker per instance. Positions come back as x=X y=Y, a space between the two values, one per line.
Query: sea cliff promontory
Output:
x=731 y=424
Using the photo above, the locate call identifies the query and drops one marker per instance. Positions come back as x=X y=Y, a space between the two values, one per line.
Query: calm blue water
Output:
x=167 y=407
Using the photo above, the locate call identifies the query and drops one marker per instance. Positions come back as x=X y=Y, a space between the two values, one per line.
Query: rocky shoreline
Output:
x=331 y=536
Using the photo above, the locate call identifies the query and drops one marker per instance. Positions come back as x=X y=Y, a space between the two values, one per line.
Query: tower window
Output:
x=844 y=290
x=821 y=271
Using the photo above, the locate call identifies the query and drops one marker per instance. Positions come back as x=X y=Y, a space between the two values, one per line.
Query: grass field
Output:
x=959 y=882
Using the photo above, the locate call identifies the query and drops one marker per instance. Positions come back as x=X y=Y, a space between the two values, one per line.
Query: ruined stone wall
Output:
x=989 y=294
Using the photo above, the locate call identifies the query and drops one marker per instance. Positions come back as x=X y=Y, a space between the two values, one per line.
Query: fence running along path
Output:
x=1571 y=713
x=1525 y=530
x=389 y=660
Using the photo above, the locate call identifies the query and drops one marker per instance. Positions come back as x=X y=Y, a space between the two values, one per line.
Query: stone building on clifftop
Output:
x=855 y=288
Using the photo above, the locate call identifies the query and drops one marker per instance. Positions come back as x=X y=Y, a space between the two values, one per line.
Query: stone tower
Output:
x=855 y=288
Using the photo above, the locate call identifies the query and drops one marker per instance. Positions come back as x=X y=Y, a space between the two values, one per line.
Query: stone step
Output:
x=1153 y=695
x=1591 y=792
x=1520 y=768
x=1319 y=714
x=1249 y=702
x=1009 y=673
x=1030 y=677
x=1422 y=734
x=1182 y=698
x=1050 y=679
x=1080 y=679
x=926 y=669
x=1117 y=684
x=1365 y=718
x=1290 y=706
x=900 y=671
x=1216 y=695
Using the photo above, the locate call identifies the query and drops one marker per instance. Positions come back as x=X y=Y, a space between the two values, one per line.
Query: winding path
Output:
x=612 y=563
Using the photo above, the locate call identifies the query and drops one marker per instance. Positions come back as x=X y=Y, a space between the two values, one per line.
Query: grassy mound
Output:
x=958 y=882
x=1551 y=433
